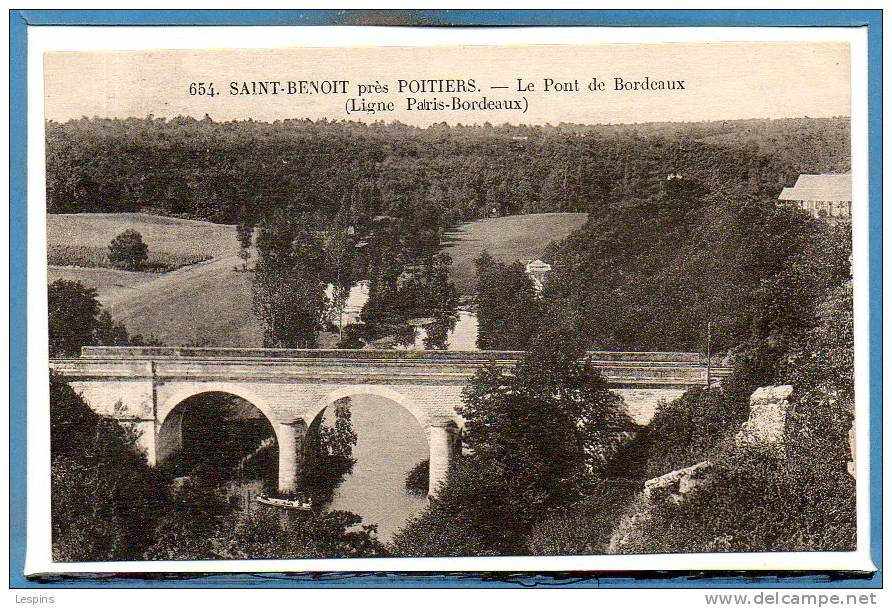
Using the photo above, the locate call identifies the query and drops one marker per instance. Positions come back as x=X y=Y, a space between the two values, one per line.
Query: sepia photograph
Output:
x=541 y=300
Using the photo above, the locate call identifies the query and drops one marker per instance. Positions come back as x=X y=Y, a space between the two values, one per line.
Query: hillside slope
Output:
x=509 y=238
x=208 y=303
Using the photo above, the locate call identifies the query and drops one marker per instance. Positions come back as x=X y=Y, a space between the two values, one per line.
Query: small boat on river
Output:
x=285 y=503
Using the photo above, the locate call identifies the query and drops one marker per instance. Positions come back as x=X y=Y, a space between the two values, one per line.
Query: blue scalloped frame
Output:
x=21 y=20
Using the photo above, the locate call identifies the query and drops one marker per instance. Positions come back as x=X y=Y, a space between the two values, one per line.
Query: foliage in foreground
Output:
x=106 y=500
x=822 y=374
x=586 y=527
x=76 y=319
x=536 y=437
x=418 y=478
x=272 y=534
x=683 y=432
x=753 y=501
x=206 y=527
x=798 y=498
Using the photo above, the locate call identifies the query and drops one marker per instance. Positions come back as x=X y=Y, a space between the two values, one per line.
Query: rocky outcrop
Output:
x=676 y=484
x=764 y=428
x=767 y=419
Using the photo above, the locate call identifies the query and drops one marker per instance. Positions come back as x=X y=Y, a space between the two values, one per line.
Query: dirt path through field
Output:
x=147 y=290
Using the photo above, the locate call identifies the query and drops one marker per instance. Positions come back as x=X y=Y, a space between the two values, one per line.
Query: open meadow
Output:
x=81 y=239
x=200 y=300
x=509 y=238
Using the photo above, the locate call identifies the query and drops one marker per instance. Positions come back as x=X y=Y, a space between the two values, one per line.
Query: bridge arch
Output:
x=443 y=433
x=199 y=388
x=168 y=418
x=378 y=390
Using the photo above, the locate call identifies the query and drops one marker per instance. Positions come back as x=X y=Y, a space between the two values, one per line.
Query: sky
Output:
x=721 y=81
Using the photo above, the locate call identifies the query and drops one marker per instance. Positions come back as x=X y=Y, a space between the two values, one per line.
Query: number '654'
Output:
x=202 y=88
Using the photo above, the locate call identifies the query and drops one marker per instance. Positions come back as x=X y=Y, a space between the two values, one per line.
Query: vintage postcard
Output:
x=589 y=302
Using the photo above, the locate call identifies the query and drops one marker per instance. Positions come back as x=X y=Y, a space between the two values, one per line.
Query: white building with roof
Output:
x=537 y=269
x=822 y=196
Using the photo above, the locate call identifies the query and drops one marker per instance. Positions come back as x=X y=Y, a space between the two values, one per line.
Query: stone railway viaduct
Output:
x=147 y=387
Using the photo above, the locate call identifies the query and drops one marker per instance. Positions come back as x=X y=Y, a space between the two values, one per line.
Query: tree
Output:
x=73 y=317
x=453 y=174
x=787 y=305
x=434 y=294
x=128 y=251
x=537 y=437
x=822 y=372
x=244 y=232
x=289 y=281
x=509 y=312
x=406 y=291
x=202 y=524
x=244 y=255
x=328 y=455
x=105 y=497
x=76 y=319
x=442 y=530
x=339 y=263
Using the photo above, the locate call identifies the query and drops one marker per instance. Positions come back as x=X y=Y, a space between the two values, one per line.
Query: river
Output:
x=389 y=443
x=389 y=439
x=461 y=336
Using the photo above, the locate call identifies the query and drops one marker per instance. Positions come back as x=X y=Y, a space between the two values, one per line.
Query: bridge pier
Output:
x=290 y=436
x=147 y=439
x=444 y=446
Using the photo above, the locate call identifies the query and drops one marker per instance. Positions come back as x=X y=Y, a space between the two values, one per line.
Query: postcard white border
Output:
x=73 y=38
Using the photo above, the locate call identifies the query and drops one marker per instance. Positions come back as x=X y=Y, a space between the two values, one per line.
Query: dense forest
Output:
x=443 y=174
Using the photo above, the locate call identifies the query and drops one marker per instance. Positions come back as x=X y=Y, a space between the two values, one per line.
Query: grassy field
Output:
x=200 y=303
x=106 y=281
x=203 y=305
x=510 y=238
x=81 y=239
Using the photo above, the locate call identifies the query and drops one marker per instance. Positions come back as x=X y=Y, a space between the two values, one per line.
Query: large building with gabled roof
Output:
x=822 y=196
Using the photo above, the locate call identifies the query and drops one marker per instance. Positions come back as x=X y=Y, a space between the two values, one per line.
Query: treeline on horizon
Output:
x=240 y=170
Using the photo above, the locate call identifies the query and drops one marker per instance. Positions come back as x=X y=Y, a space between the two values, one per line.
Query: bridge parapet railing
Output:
x=175 y=352
x=622 y=369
